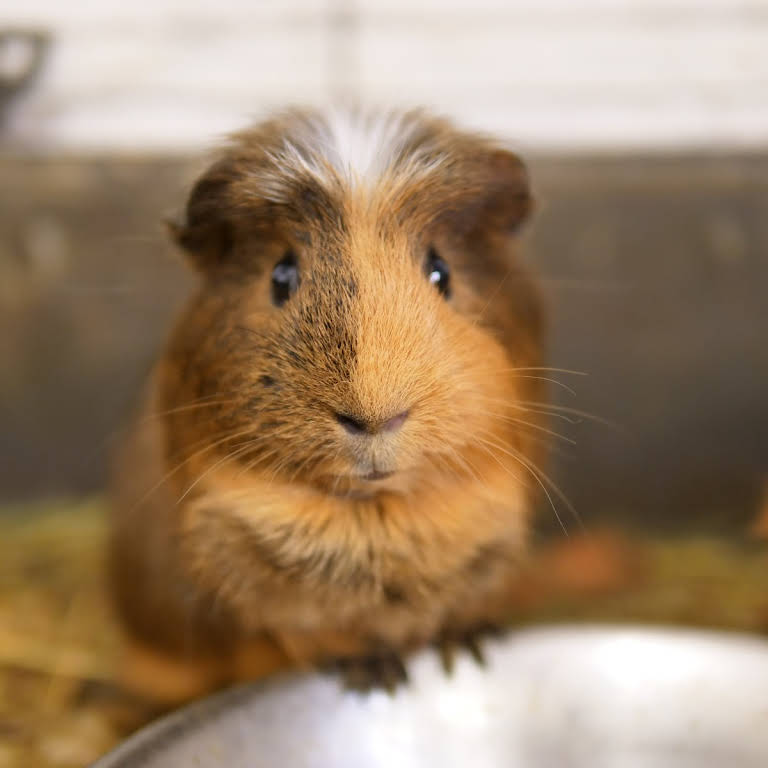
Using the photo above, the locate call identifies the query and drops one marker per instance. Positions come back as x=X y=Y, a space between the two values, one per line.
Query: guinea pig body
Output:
x=338 y=450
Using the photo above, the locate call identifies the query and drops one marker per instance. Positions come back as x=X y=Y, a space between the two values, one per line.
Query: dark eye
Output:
x=285 y=279
x=438 y=272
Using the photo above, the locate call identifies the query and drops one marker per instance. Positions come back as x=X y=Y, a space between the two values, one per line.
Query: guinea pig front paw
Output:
x=366 y=673
x=451 y=641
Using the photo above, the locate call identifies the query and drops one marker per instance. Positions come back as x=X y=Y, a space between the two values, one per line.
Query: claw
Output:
x=450 y=642
x=472 y=644
x=365 y=673
x=447 y=648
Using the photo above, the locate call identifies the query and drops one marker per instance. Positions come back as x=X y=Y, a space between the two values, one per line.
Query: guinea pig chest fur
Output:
x=338 y=449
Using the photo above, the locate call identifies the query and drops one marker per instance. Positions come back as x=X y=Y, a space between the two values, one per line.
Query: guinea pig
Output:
x=338 y=451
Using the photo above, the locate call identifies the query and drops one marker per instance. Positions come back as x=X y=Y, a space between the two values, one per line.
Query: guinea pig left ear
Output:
x=206 y=231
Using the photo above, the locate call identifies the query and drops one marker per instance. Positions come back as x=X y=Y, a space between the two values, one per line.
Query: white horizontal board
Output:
x=103 y=14
x=565 y=8
x=179 y=73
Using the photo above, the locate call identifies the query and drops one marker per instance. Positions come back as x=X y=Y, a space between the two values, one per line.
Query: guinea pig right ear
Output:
x=206 y=230
x=505 y=202
x=488 y=196
x=514 y=202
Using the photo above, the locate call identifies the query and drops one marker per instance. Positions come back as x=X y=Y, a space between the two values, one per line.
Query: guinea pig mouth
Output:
x=377 y=475
x=361 y=486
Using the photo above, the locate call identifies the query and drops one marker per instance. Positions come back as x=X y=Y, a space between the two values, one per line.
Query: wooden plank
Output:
x=656 y=270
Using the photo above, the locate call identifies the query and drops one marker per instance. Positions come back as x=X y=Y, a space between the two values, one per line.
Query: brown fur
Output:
x=242 y=521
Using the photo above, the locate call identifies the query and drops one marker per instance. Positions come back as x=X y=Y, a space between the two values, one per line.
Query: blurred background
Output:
x=645 y=125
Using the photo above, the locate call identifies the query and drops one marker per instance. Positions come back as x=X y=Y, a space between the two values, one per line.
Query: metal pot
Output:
x=562 y=697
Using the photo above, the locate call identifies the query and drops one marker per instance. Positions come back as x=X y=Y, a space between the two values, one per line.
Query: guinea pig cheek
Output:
x=484 y=391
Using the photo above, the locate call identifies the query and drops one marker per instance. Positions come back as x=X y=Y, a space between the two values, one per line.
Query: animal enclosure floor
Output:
x=61 y=705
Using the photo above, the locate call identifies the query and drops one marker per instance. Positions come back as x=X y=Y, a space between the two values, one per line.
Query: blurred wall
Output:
x=645 y=123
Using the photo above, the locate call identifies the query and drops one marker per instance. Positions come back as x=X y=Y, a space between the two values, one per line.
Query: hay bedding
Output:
x=61 y=705
x=59 y=702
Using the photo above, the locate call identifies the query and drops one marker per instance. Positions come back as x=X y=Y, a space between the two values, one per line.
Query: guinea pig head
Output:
x=362 y=323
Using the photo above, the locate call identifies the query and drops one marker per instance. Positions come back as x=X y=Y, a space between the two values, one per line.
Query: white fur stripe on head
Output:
x=353 y=147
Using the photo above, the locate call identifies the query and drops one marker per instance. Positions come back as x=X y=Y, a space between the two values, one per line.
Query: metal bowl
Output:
x=562 y=697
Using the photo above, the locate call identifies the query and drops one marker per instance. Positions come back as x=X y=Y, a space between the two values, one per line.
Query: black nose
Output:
x=357 y=426
x=353 y=426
